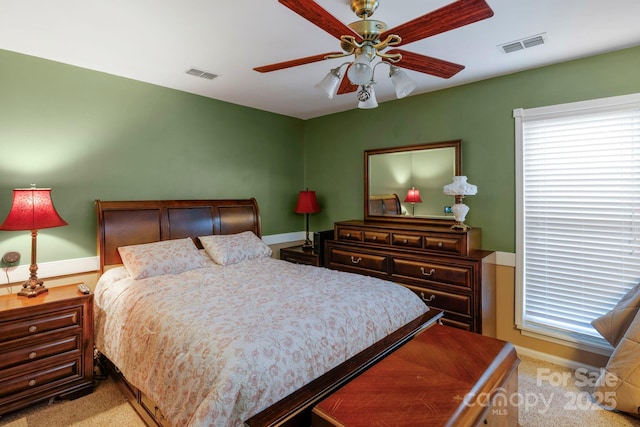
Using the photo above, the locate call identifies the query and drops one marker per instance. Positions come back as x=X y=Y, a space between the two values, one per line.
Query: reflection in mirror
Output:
x=391 y=173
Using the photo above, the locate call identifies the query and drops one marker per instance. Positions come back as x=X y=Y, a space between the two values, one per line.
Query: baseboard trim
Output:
x=556 y=360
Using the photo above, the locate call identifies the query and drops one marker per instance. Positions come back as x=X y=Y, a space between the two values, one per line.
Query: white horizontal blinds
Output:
x=581 y=215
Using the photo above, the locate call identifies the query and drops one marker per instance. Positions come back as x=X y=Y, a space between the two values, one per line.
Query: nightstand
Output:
x=297 y=255
x=46 y=347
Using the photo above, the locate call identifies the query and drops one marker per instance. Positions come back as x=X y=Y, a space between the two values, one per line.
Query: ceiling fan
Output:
x=369 y=38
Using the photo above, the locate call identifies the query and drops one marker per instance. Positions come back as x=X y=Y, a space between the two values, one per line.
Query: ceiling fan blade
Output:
x=454 y=15
x=312 y=12
x=426 y=64
x=294 y=62
x=346 y=86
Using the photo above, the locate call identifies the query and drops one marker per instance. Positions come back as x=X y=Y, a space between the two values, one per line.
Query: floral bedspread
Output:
x=216 y=345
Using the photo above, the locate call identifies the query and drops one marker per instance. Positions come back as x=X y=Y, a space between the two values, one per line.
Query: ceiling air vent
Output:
x=523 y=43
x=200 y=73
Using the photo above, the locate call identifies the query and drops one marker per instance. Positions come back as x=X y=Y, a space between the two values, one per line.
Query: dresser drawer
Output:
x=454 y=303
x=358 y=260
x=406 y=240
x=27 y=326
x=32 y=349
x=449 y=244
x=350 y=234
x=432 y=272
x=379 y=237
x=466 y=326
x=46 y=375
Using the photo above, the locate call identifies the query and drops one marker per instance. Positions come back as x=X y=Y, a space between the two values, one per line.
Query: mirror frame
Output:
x=456 y=144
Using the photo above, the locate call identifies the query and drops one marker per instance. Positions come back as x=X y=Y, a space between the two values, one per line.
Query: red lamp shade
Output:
x=307 y=203
x=32 y=209
x=413 y=196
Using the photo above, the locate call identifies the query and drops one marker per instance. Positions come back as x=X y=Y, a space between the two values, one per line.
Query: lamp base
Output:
x=32 y=288
x=460 y=226
x=307 y=245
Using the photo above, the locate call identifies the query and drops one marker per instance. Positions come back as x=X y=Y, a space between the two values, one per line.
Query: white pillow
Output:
x=165 y=257
x=233 y=248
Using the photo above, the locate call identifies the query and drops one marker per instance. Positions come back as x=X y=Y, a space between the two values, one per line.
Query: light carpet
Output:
x=547 y=395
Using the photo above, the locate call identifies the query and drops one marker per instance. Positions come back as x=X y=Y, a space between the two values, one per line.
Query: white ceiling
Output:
x=156 y=41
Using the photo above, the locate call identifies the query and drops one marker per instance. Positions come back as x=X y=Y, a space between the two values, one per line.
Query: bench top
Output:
x=431 y=380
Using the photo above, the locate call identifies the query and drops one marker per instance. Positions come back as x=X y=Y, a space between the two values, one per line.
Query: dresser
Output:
x=46 y=347
x=441 y=265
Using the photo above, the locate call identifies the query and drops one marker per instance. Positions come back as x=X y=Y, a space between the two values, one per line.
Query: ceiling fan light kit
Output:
x=368 y=39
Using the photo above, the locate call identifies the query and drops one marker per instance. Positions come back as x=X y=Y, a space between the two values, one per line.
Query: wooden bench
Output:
x=442 y=377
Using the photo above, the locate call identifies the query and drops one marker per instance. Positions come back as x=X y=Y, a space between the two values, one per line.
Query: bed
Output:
x=385 y=204
x=203 y=327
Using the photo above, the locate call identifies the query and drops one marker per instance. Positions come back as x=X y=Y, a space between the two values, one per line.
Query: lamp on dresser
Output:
x=413 y=197
x=32 y=209
x=307 y=204
x=460 y=188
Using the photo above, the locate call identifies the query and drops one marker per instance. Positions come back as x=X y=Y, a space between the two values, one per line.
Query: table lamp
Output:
x=307 y=204
x=32 y=209
x=413 y=197
x=460 y=188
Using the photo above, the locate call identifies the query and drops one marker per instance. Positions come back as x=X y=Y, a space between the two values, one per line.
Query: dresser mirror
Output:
x=391 y=172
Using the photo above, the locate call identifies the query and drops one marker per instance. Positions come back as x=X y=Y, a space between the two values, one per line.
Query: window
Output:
x=578 y=214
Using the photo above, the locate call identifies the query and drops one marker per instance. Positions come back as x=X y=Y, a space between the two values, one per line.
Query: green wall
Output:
x=90 y=135
x=479 y=113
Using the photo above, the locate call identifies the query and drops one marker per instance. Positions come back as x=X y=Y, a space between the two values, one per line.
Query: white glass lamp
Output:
x=460 y=188
x=367 y=97
x=360 y=72
x=329 y=84
x=401 y=82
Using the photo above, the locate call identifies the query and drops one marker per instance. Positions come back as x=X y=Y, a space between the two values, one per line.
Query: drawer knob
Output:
x=32 y=355
x=33 y=328
x=439 y=244
x=405 y=241
x=375 y=237
x=355 y=260
x=348 y=234
x=425 y=299
x=32 y=383
x=430 y=273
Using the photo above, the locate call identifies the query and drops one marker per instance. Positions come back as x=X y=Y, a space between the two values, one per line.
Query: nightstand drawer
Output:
x=297 y=258
x=27 y=326
x=299 y=255
x=432 y=272
x=38 y=378
x=36 y=350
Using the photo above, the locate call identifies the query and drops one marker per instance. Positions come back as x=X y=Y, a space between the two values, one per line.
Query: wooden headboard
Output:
x=385 y=204
x=122 y=223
